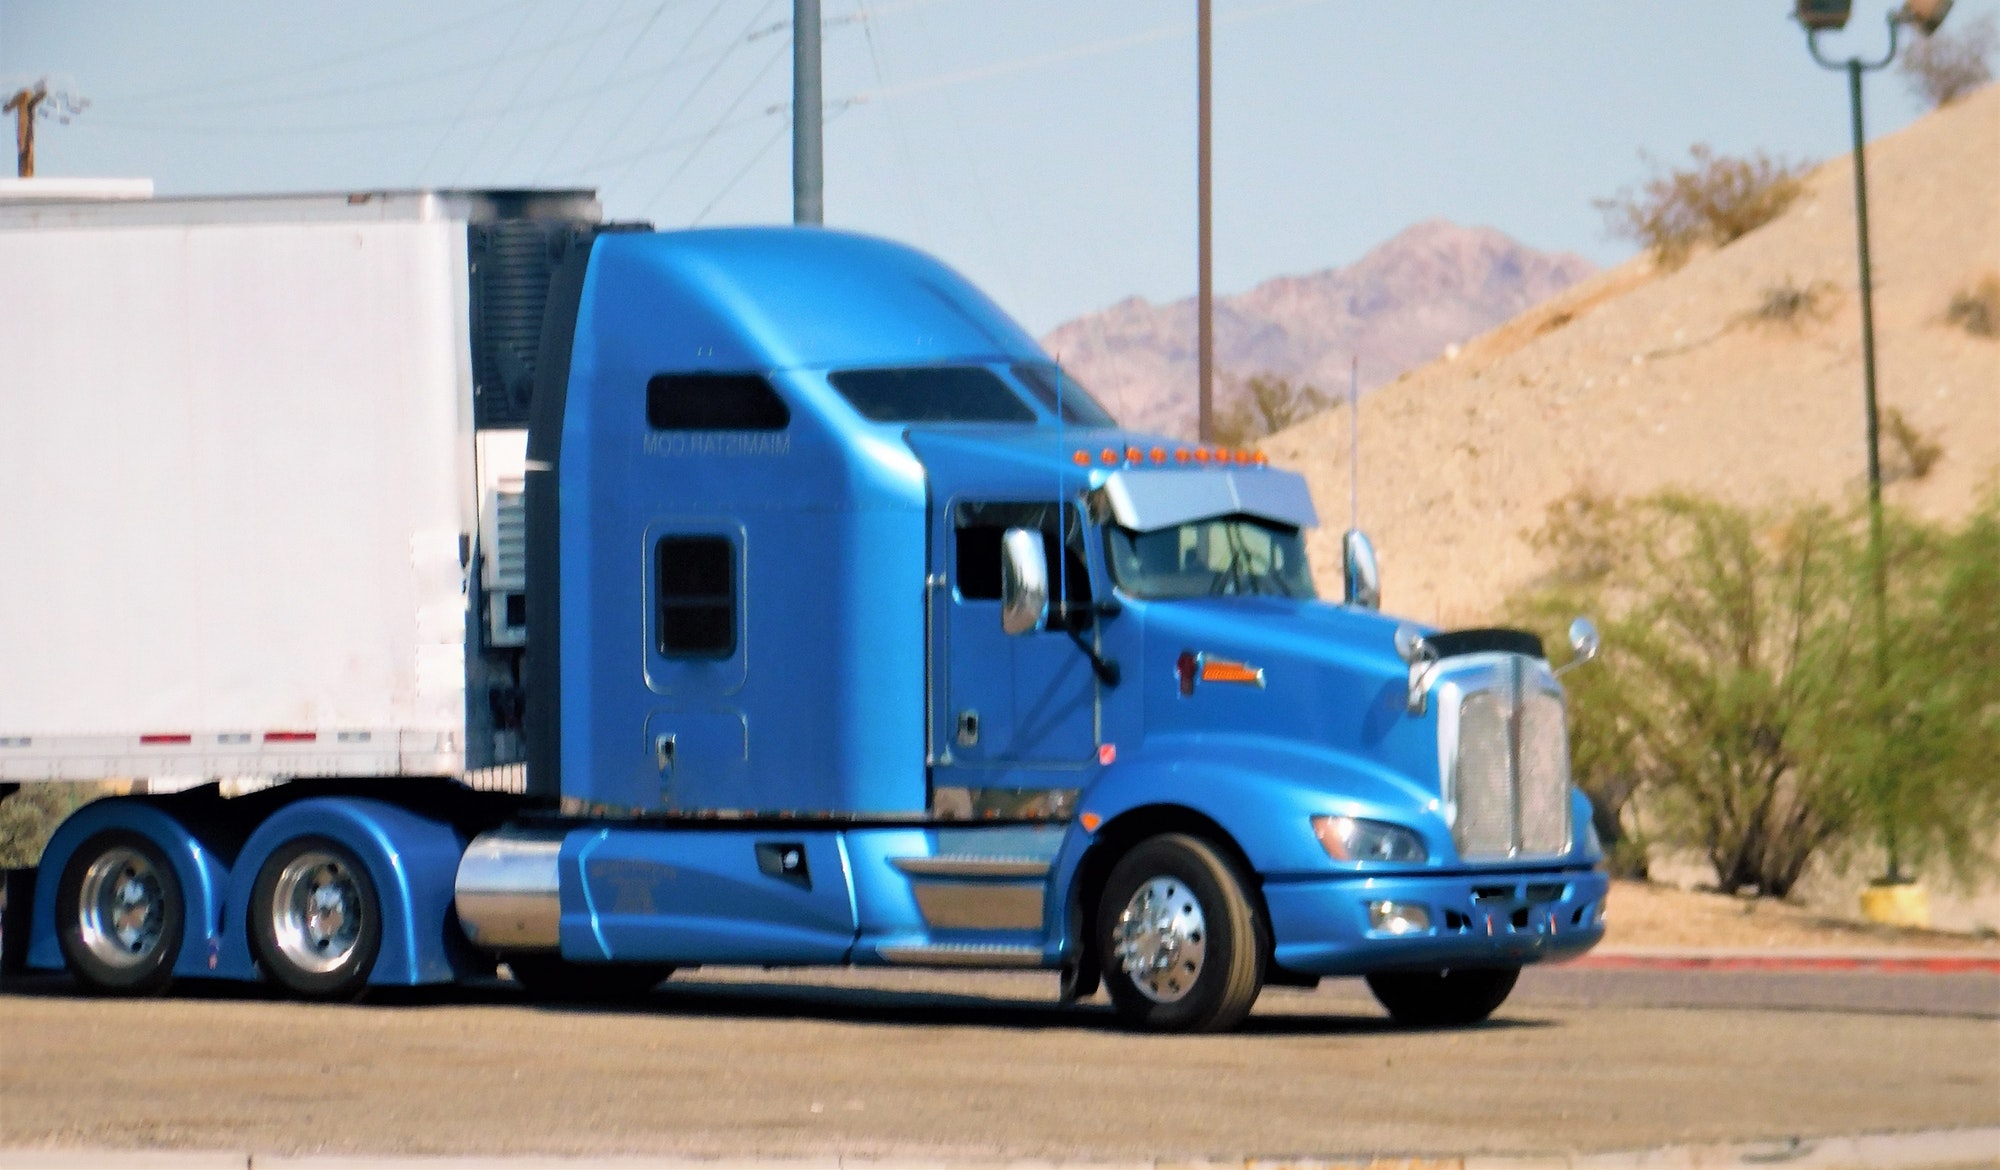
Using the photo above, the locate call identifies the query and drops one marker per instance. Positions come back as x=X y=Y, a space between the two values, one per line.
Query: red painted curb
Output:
x=1948 y=964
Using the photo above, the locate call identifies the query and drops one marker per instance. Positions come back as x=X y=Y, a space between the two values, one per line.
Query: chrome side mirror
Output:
x=1416 y=652
x=1024 y=580
x=1363 y=574
x=1583 y=644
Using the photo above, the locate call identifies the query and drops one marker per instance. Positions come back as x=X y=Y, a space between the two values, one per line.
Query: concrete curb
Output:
x=1887 y=962
x=1919 y=1150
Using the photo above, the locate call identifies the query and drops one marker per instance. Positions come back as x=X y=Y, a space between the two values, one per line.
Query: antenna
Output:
x=1354 y=444
x=1062 y=517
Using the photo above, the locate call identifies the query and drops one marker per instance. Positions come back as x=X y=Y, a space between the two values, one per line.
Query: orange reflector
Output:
x=1219 y=670
x=1090 y=822
x=1108 y=455
x=1159 y=454
x=1082 y=458
x=1107 y=754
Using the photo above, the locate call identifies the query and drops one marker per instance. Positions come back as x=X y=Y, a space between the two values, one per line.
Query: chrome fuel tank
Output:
x=508 y=889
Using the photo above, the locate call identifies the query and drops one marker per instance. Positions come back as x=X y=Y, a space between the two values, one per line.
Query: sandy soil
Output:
x=1637 y=380
x=1649 y=915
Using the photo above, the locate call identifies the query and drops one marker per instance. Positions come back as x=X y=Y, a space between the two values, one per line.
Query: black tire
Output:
x=550 y=978
x=1443 y=999
x=120 y=915
x=1205 y=895
x=315 y=948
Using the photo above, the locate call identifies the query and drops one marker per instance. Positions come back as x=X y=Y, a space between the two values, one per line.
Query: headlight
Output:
x=1353 y=839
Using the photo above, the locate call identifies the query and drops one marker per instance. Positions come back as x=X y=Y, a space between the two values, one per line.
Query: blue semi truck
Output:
x=462 y=581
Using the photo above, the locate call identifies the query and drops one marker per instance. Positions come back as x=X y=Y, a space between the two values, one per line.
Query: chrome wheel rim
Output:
x=122 y=908
x=1161 y=939
x=316 y=912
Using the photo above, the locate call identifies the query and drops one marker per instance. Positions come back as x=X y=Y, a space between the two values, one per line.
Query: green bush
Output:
x=1267 y=405
x=29 y=816
x=1739 y=700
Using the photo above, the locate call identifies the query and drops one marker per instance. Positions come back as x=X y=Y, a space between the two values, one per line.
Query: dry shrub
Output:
x=1947 y=66
x=1795 y=305
x=1268 y=404
x=1912 y=453
x=1714 y=200
x=1977 y=309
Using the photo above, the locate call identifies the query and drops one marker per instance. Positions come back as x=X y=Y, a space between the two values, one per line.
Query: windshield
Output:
x=1223 y=556
x=1077 y=405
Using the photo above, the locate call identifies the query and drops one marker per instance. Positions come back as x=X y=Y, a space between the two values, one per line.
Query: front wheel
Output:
x=1443 y=999
x=1180 y=942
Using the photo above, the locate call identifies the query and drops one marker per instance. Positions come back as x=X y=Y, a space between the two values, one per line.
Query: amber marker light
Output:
x=1201 y=454
x=1134 y=455
x=1108 y=455
x=1159 y=454
x=1222 y=455
x=1181 y=455
x=1221 y=670
x=1082 y=458
x=1090 y=822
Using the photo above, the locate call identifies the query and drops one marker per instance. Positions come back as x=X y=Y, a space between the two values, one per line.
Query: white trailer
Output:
x=260 y=464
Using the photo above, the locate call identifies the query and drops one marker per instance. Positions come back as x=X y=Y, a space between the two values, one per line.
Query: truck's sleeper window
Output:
x=979 y=530
x=697 y=597
x=714 y=402
x=931 y=394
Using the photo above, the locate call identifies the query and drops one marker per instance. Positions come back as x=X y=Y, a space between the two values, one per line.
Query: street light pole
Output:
x=808 y=159
x=1204 y=230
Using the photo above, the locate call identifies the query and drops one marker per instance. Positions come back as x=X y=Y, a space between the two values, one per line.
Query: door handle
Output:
x=968 y=727
x=663 y=753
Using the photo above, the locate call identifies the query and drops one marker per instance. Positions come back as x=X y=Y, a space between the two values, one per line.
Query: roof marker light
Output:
x=1134 y=455
x=1222 y=455
x=1081 y=458
x=1181 y=455
x=1201 y=454
x=1159 y=454
x=1108 y=455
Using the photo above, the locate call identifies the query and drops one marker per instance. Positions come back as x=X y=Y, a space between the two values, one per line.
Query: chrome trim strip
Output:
x=973 y=865
x=961 y=955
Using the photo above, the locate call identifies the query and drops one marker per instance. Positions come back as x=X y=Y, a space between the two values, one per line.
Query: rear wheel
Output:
x=1180 y=942
x=315 y=919
x=120 y=915
x=552 y=979
x=1443 y=999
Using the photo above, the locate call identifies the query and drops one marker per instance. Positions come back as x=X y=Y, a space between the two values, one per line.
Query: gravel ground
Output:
x=925 y=1064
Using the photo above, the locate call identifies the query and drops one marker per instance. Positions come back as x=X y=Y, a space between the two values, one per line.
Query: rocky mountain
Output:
x=1432 y=286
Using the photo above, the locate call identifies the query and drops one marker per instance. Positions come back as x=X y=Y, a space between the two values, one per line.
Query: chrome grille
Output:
x=1507 y=770
x=1485 y=825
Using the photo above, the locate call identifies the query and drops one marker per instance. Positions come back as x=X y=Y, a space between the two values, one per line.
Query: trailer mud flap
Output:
x=17 y=905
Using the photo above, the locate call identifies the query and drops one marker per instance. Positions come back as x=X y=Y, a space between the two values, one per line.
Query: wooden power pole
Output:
x=25 y=103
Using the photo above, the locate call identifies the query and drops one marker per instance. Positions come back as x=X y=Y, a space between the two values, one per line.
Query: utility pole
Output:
x=1205 y=249
x=808 y=161
x=25 y=103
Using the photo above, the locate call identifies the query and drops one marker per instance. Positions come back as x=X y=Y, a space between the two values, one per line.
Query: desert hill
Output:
x=1637 y=380
x=1429 y=287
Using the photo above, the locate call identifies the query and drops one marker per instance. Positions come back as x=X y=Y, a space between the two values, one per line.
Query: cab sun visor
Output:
x=1146 y=500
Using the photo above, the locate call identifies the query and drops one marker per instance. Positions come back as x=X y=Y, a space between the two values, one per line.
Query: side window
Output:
x=714 y=402
x=696 y=606
x=976 y=570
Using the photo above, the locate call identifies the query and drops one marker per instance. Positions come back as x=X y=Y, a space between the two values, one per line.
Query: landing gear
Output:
x=315 y=919
x=120 y=915
x=1443 y=999
x=1181 y=944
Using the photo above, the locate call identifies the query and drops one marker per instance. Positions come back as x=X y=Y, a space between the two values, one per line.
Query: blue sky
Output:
x=1045 y=148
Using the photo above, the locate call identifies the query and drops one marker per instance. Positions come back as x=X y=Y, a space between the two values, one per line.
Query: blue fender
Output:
x=411 y=859
x=203 y=877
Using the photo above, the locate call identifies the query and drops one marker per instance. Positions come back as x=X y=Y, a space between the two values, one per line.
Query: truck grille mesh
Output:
x=1510 y=784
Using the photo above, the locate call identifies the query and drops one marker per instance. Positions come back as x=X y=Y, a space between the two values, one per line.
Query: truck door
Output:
x=696 y=745
x=1015 y=712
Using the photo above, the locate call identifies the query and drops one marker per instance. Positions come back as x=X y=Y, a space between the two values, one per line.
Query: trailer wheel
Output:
x=315 y=919
x=552 y=979
x=120 y=914
x=1443 y=999
x=1180 y=942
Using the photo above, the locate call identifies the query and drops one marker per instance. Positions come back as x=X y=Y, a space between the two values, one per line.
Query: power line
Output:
x=783 y=53
x=563 y=86
x=630 y=47
x=475 y=90
x=700 y=85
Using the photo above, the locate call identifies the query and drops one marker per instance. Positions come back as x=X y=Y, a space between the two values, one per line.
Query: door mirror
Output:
x=1364 y=576
x=1583 y=644
x=1024 y=580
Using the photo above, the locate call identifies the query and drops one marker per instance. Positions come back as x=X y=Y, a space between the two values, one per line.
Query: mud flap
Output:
x=17 y=905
